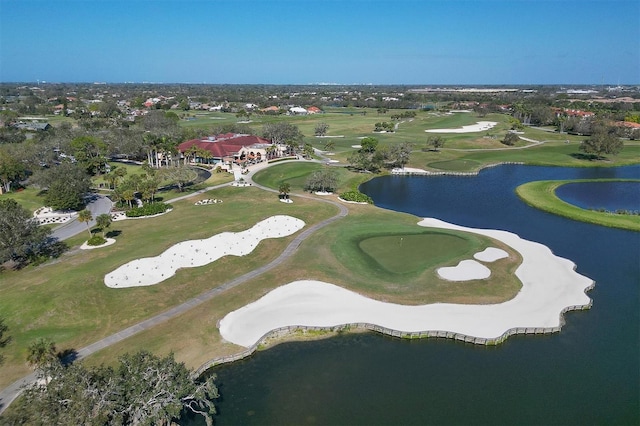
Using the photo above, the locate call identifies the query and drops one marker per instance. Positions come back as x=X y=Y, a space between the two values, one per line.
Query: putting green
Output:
x=455 y=165
x=412 y=253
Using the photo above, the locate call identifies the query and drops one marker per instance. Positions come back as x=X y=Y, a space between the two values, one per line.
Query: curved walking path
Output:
x=10 y=393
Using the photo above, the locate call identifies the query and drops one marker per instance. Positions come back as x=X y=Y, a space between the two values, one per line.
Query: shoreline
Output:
x=551 y=287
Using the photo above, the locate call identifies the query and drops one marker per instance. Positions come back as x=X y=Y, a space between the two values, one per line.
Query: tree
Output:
x=4 y=339
x=103 y=221
x=307 y=150
x=143 y=389
x=325 y=180
x=128 y=195
x=511 y=139
x=90 y=152
x=42 y=351
x=321 y=129
x=601 y=142
x=282 y=133
x=179 y=176
x=11 y=170
x=285 y=189
x=399 y=154
x=21 y=239
x=66 y=185
x=86 y=216
x=368 y=144
x=329 y=146
x=436 y=141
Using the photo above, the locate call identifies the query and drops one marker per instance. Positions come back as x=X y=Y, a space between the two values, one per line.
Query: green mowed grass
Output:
x=296 y=173
x=411 y=253
x=541 y=195
x=29 y=198
x=66 y=300
x=333 y=255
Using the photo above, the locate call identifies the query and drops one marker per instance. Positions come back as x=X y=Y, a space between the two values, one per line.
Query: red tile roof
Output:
x=225 y=145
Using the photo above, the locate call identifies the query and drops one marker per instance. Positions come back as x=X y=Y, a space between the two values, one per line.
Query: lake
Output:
x=610 y=196
x=586 y=374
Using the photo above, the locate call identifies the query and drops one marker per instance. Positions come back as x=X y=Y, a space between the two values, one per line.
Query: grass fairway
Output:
x=296 y=173
x=541 y=195
x=67 y=301
x=333 y=255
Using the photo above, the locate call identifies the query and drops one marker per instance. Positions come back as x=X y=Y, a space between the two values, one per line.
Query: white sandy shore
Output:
x=478 y=127
x=189 y=254
x=549 y=285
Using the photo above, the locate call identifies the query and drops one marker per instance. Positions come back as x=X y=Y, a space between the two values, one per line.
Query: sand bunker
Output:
x=190 y=254
x=478 y=127
x=466 y=270
x=549 y=285
x=491 y=254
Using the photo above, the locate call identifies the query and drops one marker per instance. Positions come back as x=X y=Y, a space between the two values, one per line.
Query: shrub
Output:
x=148 y=210
x=356 y=196
x=96 y=240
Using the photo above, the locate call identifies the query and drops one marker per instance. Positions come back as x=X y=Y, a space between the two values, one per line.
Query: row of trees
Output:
x=371 y=158
x=142 y=389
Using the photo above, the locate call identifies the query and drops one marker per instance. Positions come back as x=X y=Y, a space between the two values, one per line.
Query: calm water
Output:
x=587 y=374
x=609 y=196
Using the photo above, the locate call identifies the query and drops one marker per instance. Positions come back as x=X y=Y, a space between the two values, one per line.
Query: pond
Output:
x=586 y=374
x=610 y=196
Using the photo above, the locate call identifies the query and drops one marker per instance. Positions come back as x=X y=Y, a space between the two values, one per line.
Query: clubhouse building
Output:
x=229 y=149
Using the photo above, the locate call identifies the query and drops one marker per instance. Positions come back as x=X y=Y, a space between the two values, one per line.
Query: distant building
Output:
x=33 y=126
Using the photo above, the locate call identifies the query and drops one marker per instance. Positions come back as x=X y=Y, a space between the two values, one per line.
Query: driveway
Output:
x=99 y=204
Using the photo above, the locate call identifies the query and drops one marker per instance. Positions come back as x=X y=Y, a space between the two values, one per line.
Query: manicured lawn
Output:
x=28 y=198
x=333 y=255
x=401 y=254
x=68 y=302
x=296 y=174
x=541 y=194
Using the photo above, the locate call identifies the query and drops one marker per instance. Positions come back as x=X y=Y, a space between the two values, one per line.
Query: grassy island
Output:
x=541 y=195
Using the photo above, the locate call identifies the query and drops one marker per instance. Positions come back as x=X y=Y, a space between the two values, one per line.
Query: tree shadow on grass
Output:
x=114 y=233
x=67 y=356
x=588 y=157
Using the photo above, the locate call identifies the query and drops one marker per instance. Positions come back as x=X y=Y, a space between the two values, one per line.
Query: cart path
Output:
x=11 y=392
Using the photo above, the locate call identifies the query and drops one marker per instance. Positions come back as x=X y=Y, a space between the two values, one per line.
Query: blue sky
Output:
x=321 y=41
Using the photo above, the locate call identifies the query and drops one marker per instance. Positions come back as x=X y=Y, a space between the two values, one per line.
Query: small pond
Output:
x=610 y=196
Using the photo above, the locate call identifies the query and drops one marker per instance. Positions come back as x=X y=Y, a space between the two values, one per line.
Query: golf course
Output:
x=380 y=254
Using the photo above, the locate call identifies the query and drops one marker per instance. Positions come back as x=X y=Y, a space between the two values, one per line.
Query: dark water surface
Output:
x=610 y=196
x=589 y=373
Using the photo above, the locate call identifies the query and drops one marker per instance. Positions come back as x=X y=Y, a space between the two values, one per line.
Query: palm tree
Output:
x=129 y=195
x=85 y=216
x=285 y=189
x=103 y=221
x=41 y=351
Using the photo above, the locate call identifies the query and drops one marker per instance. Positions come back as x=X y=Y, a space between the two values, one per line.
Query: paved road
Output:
x=8 y=394
x=98 y=205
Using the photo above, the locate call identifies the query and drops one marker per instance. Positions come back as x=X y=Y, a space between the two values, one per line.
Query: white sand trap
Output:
x=549 y=285
x=478 y=127
x=190 y=254
x=491 y=254
x=466 y=270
